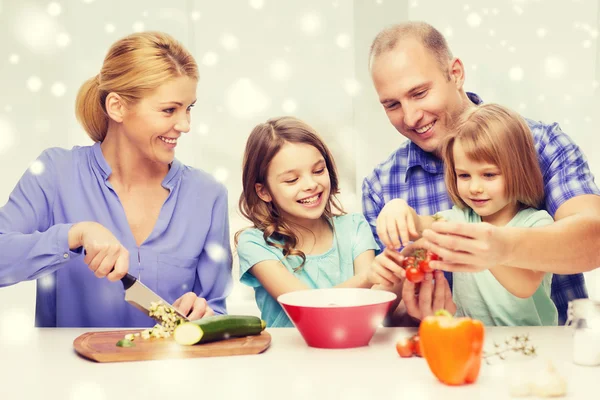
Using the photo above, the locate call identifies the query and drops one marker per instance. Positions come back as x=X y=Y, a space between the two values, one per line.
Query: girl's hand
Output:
x=193 y=307
x=386 y=268
x=397 y=223
x=105 y=255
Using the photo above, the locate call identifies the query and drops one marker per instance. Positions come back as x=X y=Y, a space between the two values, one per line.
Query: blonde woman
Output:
x=493 y=175
x=124 y=204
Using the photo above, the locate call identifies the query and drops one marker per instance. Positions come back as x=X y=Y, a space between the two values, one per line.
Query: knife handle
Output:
x=128 y=280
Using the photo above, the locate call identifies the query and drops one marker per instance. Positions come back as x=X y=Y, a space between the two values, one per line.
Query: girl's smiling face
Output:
x=297 y=182
x=482 y=187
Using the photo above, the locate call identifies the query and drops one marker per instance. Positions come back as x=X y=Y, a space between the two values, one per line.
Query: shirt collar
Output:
x=168 y=182
x=425 y=160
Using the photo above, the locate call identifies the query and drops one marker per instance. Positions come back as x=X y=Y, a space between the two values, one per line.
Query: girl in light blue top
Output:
x=301 y=237
x=493 y=176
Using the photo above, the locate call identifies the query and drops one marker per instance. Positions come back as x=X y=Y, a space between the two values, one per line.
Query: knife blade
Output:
x=141 y=296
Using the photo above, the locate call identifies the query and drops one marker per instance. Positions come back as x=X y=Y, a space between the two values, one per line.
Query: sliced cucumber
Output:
x=218 y=327
x=188 y=333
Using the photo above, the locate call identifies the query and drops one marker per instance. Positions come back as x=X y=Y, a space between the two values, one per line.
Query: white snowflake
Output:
x=448 y=32
x=541 y=98
x=54 y=9
x=310 y=23
x=555 y=67
x=522 y=106
x=202 y=129
x=343 y=40
x=280 y=70
x=516 y=73
x=14 y=58
x=138 y=26
x=587 y=43
x=215 y=252
x=88 y=1
x=289 y=106
x=257 y=4
x=221 y=174
x=229 y=41
x=63 y=39
x=474 y=20
x=352 y=86
x=109 y=28
x=8 y=108
x=210 y=59
x=34 y=83
x=541 y=32
x=36 y=29
x=7 y=136
x=46 y=282
x=518 y=10
x=195 y=15
x=58 y=89
x=245 y=99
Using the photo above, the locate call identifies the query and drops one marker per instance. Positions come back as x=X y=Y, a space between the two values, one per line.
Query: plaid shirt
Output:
x=418 y=177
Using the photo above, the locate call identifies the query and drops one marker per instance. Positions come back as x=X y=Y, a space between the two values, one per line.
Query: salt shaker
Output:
x=584 y=317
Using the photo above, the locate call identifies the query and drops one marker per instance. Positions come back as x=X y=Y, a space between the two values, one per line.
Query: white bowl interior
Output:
x=336 y=297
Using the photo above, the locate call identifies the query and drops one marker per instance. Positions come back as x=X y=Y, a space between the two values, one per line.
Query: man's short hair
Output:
x=431 y=38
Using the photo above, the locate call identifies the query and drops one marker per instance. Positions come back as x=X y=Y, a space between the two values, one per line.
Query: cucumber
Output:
x=218 y=327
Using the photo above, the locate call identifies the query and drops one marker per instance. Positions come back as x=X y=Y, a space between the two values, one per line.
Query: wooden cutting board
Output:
x=102 y=347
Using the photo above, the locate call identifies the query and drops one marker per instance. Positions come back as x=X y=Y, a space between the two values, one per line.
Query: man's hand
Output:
x=431 y=296
x=467 y=247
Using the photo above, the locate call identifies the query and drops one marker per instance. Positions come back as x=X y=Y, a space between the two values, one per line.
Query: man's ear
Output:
x=115 y=107
x=263 y=193
x=457 y=72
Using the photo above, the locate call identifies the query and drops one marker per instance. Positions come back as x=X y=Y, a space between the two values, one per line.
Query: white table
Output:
x=44 y=366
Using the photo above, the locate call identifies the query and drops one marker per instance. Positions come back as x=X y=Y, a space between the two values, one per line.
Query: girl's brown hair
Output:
x=499 y=136
x=134 y=67
x=263 y=144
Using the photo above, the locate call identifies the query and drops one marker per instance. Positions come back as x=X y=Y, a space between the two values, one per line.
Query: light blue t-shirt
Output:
x=479 y=295
x=351 y=237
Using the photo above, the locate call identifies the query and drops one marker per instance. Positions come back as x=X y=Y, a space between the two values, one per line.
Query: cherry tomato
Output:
x=424 y=266
x=416 y=341
x=405 y=348
x=431 y=256
x=409 y=261
x=414 y=274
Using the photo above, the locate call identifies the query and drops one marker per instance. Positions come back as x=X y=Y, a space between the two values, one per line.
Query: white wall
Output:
x=262 y=58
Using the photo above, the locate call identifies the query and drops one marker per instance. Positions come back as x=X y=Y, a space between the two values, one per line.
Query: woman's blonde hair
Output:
x=134 y=67
x=263 y=144
x=499 y=136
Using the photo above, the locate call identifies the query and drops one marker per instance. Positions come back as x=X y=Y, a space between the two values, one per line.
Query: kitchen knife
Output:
x=141 y=297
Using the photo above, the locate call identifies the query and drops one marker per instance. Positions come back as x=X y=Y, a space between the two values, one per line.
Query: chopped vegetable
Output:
x=125 y=343
x=168 y=318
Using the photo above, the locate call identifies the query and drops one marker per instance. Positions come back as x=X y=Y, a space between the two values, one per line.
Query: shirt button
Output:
x=66 y=255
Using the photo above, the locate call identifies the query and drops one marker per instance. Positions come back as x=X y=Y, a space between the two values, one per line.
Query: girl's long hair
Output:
x=263 y=144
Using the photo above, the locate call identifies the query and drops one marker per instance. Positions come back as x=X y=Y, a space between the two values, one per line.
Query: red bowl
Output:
x=337 y=318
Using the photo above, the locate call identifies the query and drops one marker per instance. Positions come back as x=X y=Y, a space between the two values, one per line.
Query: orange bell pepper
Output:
x=452 y=347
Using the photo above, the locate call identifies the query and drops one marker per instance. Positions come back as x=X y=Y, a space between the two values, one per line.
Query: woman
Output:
x=124 y=204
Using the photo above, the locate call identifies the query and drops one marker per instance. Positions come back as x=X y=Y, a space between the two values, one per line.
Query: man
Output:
x=420 y=85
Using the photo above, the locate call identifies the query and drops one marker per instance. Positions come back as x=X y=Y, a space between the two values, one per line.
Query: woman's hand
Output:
x=104 y=254
x=193 y=307
x=397 y=223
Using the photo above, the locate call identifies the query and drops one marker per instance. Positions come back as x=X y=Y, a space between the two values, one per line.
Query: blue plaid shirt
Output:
x=418 y=177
